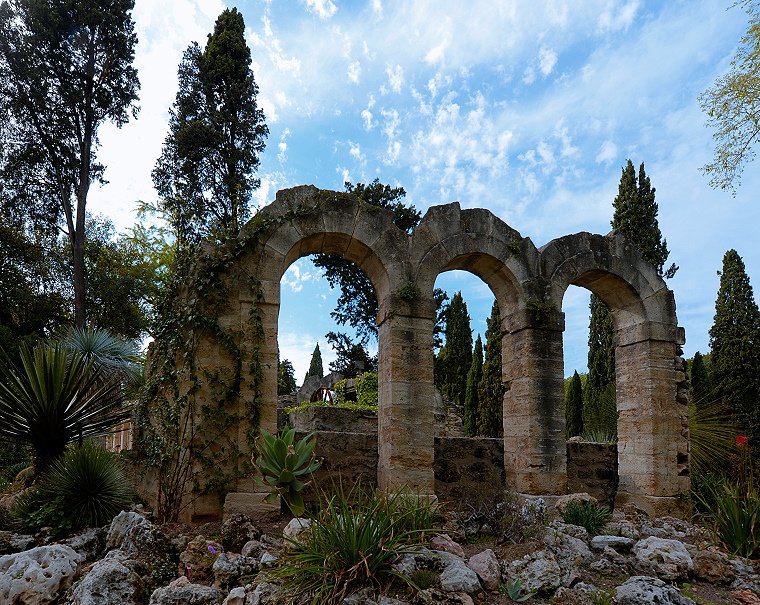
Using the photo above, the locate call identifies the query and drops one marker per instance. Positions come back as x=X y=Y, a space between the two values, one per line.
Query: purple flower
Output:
x=211 y=548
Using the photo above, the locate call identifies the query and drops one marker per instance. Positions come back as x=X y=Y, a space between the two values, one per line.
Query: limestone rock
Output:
x=229 y=568
x=262 y=594
x=643 y=590
x=236 y=597
x=712 y=567
x=150 y=542
x=573 y=595
x=444 y=543
x=12 y=543
x=38 y=576
x=237 y=530
x=487 y=567
x=192 y=594
x=197 y=560
x=745 y=597
x=108 y=582
x=576 y=531
x=615 y=542
x=562 y=502
x=535 y=571
x=120 y=527
x=267 y=560
x=293 y=529
x=440 y=597
x=89 y=543
x=457 y=577
x=253 y=549
x=670 y=558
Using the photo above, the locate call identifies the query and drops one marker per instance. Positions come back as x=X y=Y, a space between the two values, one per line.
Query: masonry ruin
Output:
x=529 y=285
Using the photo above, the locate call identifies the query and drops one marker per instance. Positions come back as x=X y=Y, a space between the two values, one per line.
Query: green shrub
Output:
x=352 y=545
x=85 y=487
x=586 y=514
x=366 y=390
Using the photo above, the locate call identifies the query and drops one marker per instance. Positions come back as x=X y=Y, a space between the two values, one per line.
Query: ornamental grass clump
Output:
x=733 y=505
x=84 y=487
x=350 y=546
x=586 y=514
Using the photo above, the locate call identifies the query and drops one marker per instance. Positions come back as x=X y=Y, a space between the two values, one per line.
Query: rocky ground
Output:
x=132 y=561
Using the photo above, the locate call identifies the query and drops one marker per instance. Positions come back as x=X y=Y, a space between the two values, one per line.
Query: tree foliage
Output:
x=455 y=356
x=732 y=106
x=635 y=217
x=204 y=176
x=474 y=375
x=286 y=380
x=315 y=367
x=735 y=345
x=349 y=354
x=66 y=68
x=574 y=407
x=700 y=383
x=491 y=388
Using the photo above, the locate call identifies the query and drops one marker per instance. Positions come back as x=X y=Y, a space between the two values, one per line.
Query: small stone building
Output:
x=529 y=285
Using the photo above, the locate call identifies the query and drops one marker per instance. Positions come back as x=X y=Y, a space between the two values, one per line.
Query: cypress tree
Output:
x=635 y=217
x=490 y=388
x=700 y=386
x=455 y=356
x=574 y=407
x=315 y=368
x=470 y=417
x=735 y=345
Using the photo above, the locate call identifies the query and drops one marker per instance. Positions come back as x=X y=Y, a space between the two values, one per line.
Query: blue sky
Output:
x=527 y=108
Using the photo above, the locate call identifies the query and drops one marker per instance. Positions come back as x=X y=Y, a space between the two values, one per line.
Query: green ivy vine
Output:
x=190 y=441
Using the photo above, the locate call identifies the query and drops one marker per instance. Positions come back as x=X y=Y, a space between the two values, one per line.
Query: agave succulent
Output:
x=282 y=464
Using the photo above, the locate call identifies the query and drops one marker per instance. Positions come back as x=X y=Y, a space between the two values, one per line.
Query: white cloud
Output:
x=608 y=152
x=324 y=9
x=354 y=71
x=377 y=8
x=299 y=274
x=283 y=146
x=612 y=20
x=395 y=77
x=356 y=152
x=547 y=59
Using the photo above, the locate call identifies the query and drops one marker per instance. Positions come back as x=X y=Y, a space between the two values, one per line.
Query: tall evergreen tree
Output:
x=315 y=368
x=735 y=345
x=216 y=133
x=286 y=380
x=574 y=407
x=455 y=356
x=700 y=383
x=490 y=388
x=474 y=375
x=635 y=217
x=66 y=69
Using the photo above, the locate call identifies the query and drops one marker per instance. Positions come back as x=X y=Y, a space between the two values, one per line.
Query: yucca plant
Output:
x=54 y=399
x=712 y=431
x=282 y=464
x=353 y=542
x=84 y=487
x=735 y=514
x=586 y=514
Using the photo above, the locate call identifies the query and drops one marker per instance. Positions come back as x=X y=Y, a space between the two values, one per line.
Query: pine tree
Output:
x=470 y=416
x=455 y=356
x=490 y=388
x=315 y=368
x=735 y=345
x=574 y=407
x=635 y=217
x=286 y=380
x=701 y=386
x=204 y=176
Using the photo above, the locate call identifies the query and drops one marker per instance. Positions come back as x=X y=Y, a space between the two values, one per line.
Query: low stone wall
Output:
x=327 y=418
x=462 y=465
x=593 y=468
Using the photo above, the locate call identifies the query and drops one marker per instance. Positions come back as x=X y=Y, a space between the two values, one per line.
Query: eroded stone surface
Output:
x=38 y=576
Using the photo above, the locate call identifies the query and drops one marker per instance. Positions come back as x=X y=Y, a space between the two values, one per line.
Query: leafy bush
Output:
x=86 y=486
x=586 y=514
x=349 y=545
x=498 y=512
x=366 y=390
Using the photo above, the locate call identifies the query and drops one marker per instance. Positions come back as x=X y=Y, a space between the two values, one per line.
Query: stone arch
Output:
x=650 y=386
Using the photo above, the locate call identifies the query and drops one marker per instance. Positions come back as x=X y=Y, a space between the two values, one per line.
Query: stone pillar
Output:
x=653 y=439
x=535 y=460
x=406 y=394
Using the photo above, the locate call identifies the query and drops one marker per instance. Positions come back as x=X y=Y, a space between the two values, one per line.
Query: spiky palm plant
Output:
x=113 y=354
x=54 y=399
